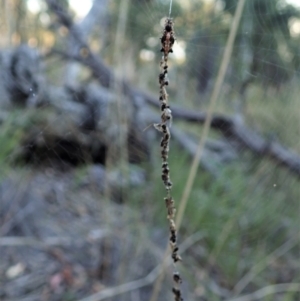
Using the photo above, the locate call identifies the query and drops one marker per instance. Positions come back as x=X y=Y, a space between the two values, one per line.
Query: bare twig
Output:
x=150 y=278
x=269 y=290
x=14 y=241
x=209 y=156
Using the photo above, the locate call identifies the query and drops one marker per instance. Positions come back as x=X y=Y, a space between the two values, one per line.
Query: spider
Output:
x=168 y=39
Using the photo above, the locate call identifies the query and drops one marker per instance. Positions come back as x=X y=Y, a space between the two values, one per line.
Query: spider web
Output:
x=264 y=63
x=198 y=51
x=261 y=87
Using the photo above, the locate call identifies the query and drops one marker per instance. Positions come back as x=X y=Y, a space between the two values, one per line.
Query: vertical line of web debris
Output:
x=167 y=42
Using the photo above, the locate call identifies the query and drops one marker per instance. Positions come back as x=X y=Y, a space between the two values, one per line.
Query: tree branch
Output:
x=268 y=290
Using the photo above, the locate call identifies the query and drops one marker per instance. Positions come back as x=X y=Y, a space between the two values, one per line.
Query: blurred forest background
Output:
x=82 y=215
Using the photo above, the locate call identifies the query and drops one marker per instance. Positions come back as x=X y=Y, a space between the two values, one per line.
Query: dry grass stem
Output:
x=214 y=97
x=212 y=103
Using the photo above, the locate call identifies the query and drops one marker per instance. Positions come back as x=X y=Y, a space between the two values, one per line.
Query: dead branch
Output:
x=234 y=130
x=268 y=290
x=15 y=241
x=209 y=160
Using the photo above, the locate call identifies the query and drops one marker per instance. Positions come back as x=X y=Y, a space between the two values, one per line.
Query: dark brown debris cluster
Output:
x=167 y=42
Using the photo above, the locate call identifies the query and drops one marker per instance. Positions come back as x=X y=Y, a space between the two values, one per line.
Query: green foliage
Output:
x=275 y=115
x=14 y=131
x=11 y=132
x=251 y=209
